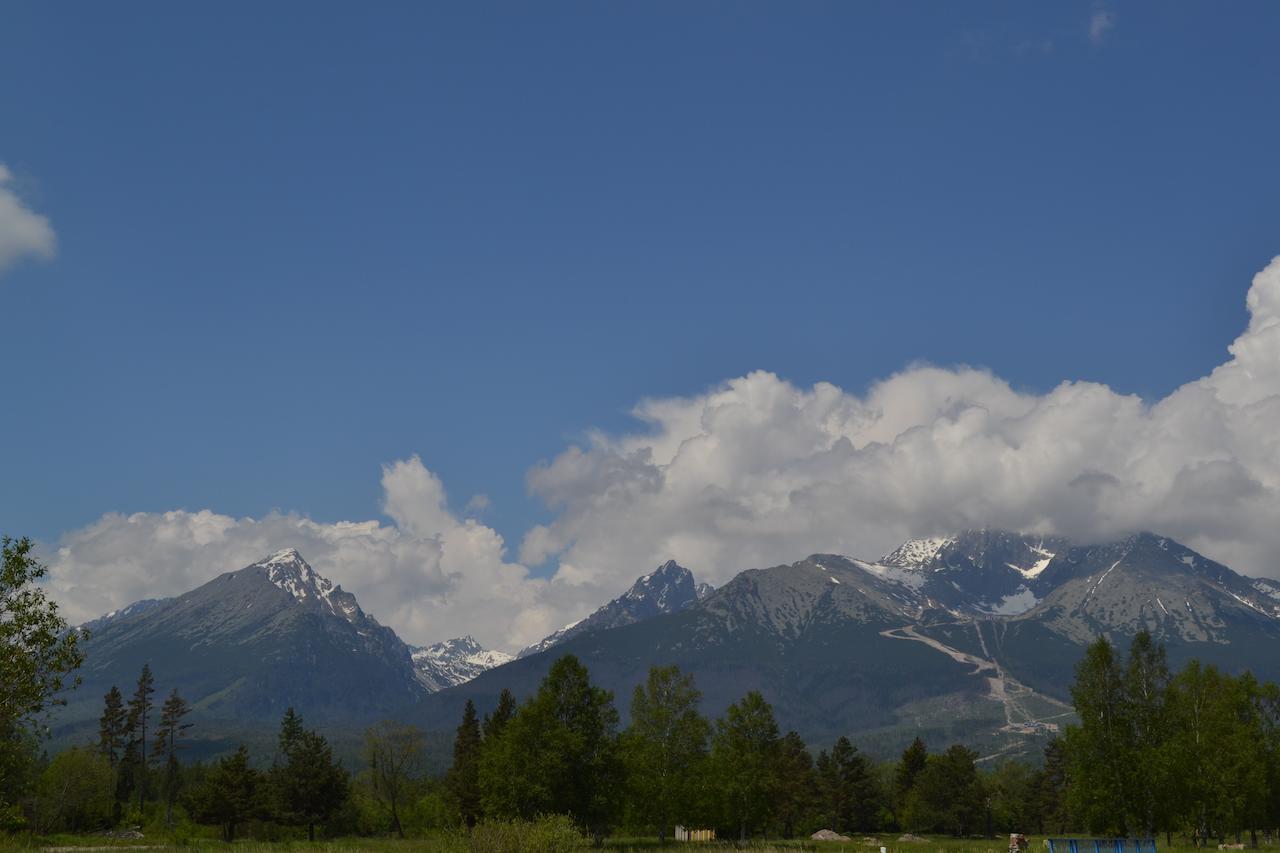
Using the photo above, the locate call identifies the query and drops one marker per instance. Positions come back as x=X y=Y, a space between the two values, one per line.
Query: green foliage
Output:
x=664 y=750
x=464 y=774
x=494 y=723
x=136 y=729
x=744 y=758
x=37 y=656
x=393 y=753
x=558 y=754
x=914 y=759
x=798 y=795
x=231 y=794
x=546 y=834
x=168 y=742
x=307 y=787
x=948 y=795
x=850 y=796
x=76 y=792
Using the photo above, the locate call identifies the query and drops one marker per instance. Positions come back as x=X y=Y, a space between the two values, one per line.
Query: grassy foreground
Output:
x=532 y=838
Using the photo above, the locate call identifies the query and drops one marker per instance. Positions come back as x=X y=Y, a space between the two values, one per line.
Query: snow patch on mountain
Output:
x=910 y=578
x=453 y=662
x=917 y=553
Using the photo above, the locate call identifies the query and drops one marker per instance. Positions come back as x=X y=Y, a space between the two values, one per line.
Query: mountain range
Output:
x=972 y=637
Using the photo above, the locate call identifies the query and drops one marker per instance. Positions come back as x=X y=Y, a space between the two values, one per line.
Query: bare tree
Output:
x=394 y=753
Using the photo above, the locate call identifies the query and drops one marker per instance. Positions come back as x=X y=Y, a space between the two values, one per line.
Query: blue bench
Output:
x=1102 y=845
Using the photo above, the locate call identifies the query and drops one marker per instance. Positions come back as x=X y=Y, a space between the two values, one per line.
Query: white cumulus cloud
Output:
x=758 y=471
x=23 y=232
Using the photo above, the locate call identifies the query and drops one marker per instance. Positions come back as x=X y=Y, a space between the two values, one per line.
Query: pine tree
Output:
x=464 y=775
x=796 y=783
x=230 y=794
x=167 y=744
x=307 y=786
x=494 y=723
x=139 y=713
x=291 y=731
x=111 y=726
x=914 y=759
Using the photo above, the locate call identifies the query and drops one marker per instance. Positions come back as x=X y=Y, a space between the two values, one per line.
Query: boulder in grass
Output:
x=828 y=835
x=911 y=838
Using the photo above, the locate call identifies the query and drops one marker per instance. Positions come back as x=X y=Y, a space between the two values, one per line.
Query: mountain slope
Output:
x=453 y=662
x=972 y=637
x=250 y=643
x=667 y=589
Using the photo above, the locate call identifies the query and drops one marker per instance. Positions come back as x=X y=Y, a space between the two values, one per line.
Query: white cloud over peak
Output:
x=23 y=232
x=758 y=471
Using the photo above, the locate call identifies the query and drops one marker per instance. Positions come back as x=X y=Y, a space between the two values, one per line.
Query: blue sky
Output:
x=298 y=241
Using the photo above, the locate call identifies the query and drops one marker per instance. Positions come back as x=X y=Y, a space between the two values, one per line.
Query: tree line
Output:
x=1195 y=752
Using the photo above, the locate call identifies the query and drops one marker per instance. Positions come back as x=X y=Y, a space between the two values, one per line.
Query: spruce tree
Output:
x=914 y=759
x=796 y=784
x=168 y=733
x=307 y=785
x=111 y=726
x=463 y=780
x=139 y=712
x=494 y=723
x=230 y=794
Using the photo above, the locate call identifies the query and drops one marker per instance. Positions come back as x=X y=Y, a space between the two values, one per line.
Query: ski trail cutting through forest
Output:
x=1002 y=688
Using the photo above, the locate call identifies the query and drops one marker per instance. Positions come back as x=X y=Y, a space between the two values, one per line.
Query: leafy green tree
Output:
x=797 y=784
x=1222 y=772
x=506 y=709
x=37 y=657
x=744 y=758
x=168 y=741
x=307 y=785
x=948 y=795
x=664 y=747
x=559 y=754
x=394 y=755
x=463 y=779
x=1100 y=749
x=1147 y=782
x=230 y=795
x=76 y=791
x=139 y=713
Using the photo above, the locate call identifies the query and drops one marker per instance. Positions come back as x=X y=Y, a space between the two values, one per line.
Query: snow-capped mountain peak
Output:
x=667 y=589
x=917 y=553
x=288 y=571
x=453 y=662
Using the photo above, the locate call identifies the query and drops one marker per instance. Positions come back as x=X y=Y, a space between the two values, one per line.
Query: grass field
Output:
x=515 y=842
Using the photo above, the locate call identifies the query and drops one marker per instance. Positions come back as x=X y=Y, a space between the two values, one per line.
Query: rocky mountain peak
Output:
x=287 y=570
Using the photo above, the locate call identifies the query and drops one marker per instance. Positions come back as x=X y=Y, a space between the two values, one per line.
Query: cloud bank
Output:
x=23 y=233
x=759 y=471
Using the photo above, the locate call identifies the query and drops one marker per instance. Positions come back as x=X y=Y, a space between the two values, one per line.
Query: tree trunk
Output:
x=311 y=832
x=742 y=830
